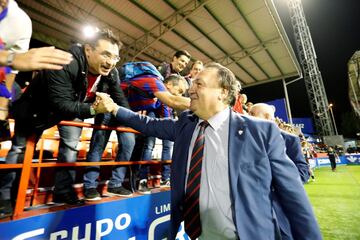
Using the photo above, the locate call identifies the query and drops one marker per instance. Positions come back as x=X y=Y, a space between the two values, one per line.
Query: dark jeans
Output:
x=8 y=178
x=69 y=139
x=64 y=177
x=99 y=140
x=149 y=144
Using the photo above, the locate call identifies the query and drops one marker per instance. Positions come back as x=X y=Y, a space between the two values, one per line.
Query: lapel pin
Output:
x=240 y=132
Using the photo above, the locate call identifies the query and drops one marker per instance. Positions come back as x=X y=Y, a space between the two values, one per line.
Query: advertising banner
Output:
x=324 y=161
x=305 y=124
x=280 y=106
x=144 y=217
x=352 y=158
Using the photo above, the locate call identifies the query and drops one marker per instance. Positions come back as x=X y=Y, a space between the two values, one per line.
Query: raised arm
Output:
x=160 y=128
x=176 y=102
x=35 y=59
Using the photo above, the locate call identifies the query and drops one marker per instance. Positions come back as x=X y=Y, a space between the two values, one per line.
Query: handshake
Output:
x=104 y=104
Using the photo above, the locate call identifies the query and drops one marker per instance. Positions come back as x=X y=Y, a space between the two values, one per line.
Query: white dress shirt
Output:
x=216 y=212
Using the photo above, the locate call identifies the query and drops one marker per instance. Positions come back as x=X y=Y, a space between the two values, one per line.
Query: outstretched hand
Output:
x=104 y=103
x=41 y=58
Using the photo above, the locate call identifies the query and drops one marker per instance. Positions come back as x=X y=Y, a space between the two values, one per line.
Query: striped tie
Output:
x=192 y=210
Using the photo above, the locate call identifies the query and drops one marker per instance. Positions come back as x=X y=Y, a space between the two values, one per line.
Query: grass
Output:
x=335 y=197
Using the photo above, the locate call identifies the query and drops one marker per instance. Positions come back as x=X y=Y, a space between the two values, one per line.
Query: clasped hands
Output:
x=103 y=104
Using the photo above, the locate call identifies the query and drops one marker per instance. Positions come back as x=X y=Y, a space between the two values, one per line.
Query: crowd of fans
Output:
x=353 y=149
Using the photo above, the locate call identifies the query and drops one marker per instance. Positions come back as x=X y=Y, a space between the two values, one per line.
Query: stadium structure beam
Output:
x=199 y=48
x=312 y=75
x=154 y=53
x=50 y=40
x=212 y=41
x=246 y=52
x=237 y=42
x=168 y=24
x=83 y=17
x=354 y=82
x=276 y=78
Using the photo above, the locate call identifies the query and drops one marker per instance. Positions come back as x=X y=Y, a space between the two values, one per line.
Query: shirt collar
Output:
x=218 y=119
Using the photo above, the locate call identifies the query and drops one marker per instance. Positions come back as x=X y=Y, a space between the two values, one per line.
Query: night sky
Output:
x=334 y=27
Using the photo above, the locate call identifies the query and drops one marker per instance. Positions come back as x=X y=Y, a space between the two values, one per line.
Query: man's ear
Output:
x=267 y=116
x=168 y=84
x=224 y=93
x=87 y=48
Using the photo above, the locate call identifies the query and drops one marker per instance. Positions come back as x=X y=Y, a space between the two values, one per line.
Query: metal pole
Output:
x=332 y=116
x=287 y=102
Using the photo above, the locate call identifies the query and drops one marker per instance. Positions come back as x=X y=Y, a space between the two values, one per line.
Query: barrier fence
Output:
x=27 y=165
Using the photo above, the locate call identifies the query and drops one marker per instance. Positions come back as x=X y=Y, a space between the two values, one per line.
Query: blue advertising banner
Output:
x=324 y=161
x=145 y=217
x=352 y=158
x=305 y=124
x=280 y=108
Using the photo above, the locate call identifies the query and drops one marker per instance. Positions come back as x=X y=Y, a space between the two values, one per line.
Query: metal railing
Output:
x=28 y=164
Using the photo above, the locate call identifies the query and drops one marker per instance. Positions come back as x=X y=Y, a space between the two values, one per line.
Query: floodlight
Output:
x=89 y=31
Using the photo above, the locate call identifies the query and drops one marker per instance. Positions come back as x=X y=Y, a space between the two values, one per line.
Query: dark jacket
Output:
x=166 y=70
x=59 y=95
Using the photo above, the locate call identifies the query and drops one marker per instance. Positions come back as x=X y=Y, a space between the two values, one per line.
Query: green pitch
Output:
x=335 y=197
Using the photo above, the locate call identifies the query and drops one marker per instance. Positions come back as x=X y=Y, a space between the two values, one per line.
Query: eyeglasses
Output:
x=108 y=56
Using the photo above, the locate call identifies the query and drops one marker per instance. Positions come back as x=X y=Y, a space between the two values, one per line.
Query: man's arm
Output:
x=160 y=128
x=289 y=189
x=176 y=102
x=35 y=59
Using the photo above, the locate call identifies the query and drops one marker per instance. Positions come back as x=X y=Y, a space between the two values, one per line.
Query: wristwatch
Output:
x=92 y=111
x=10 y=58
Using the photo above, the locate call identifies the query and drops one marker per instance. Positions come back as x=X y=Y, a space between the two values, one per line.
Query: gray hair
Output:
x=227 y=80
x=175 y=79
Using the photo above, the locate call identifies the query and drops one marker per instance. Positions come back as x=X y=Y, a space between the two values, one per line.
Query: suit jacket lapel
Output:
x=237 y=133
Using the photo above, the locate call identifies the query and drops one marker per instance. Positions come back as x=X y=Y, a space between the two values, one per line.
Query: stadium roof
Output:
x=245 y=35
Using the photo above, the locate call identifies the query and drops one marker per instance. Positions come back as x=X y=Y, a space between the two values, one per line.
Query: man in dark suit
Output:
x=292 y=142
x=242 y=160
x=294 y=152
